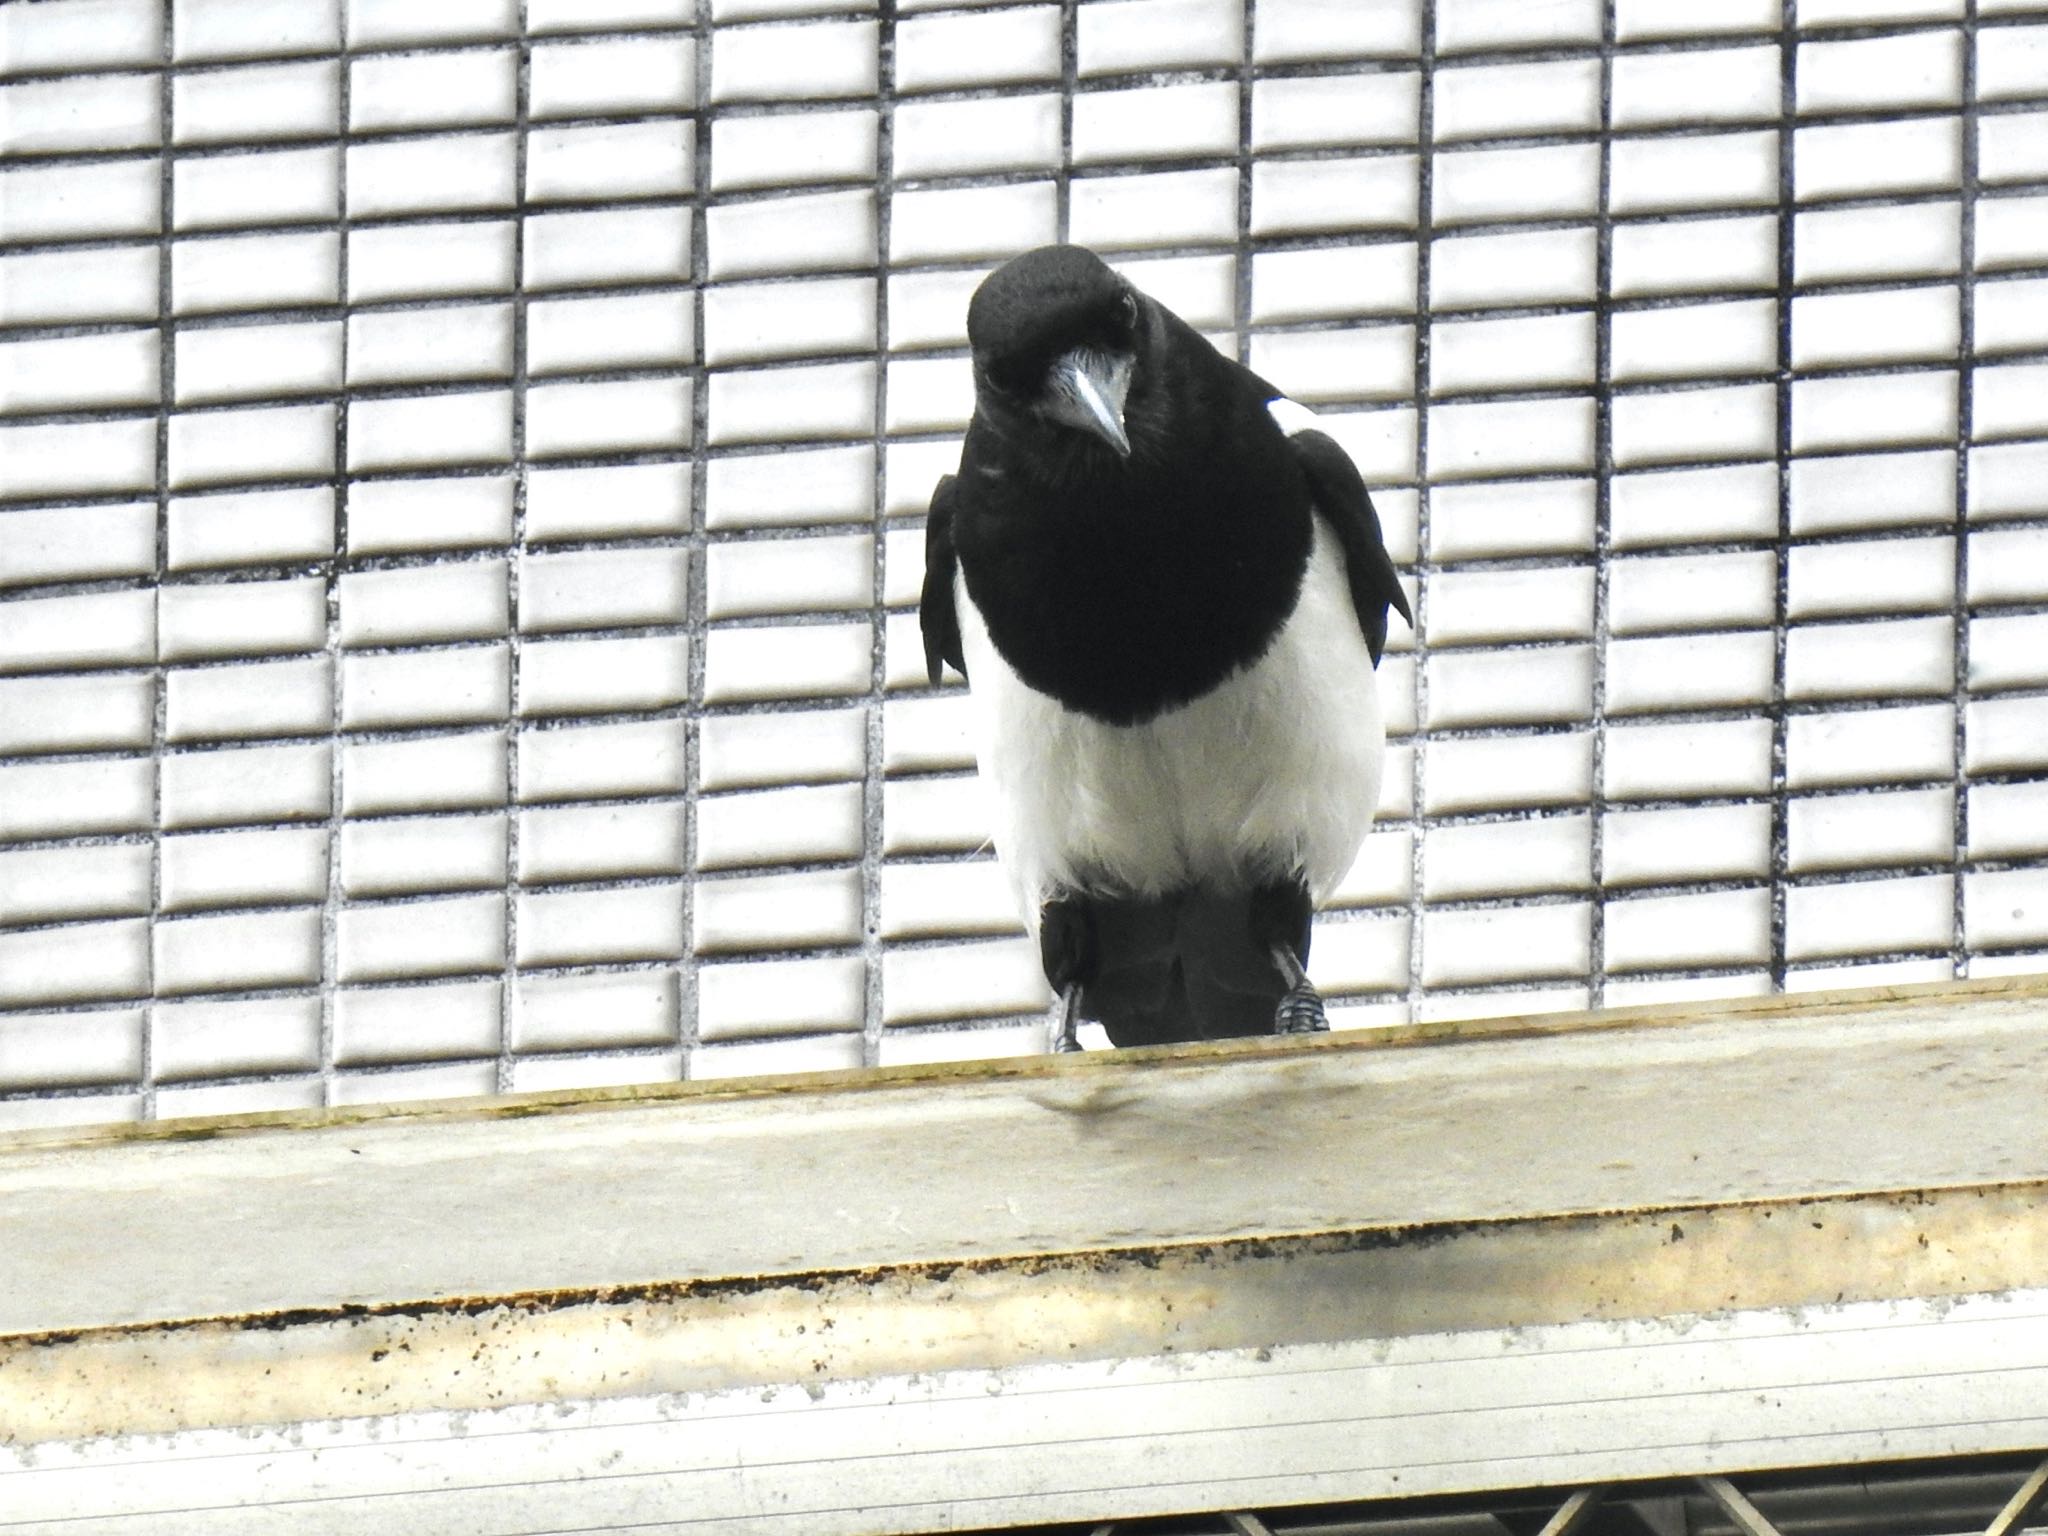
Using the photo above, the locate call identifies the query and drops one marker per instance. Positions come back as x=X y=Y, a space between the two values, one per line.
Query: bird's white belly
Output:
x=1275 y=770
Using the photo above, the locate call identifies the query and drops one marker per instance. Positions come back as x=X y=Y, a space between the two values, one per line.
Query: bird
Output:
x=1168 y=593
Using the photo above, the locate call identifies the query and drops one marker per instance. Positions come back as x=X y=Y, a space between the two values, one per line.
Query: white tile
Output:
x=597 y=927
x=2007 y=733
x=244 y=29
x=805 y=824
x=243 y=869
x=1677 y=592
x=602 y=589
x=230 y=787
x=456 y=687
x=997 y=47
x=739 y=1000
x=1705 y=842
x=2012 y=63
x=1868 y=830
x=1870 y=746
x=1657 y=762
x=612 y=160
x=76 y=544
x=782 y=576
x=1663 y=428
x=1376 y=192
x=1321 y=367
x=635 y=331
x=463 y=172
x=1507 y=772
x=935 y=815
x=243 y=618
x=1537 y=352
x=786 y=662
x=1712 y=671
x=792 y=404
x=85 y=630
x=1715 y=928
x=1859 y=159
x=1480 y=607
x=385 y=22
x=1195 y=207
x=620 y=245
x=578 y=1074
x=433 y=773
x=1330 y=111
x=2007 y=820
x=757 y=322
x=1540 y=517
x=794 y=234
x=589 y=1013
x=1540 y=267
x=454 y=1081
x=81 y=202
x=1698 y=256
x=1868 y=917
x=1491 y=185
x=240 y=952
x=425 y=346
x=775 y=912
x=929 y=395
x=89 y=880
x=70 y=1050
x=815 y=1053
x=1487 y=24
x=2007 y=401
x=1520 y=687
x=1872 y=491
x=2006 y=651
x=75 y=714
x=79 y=372
x=2012 y=148
x=1507 y=858
x=408 y=1024
x=2007 y=480
x=1833 y=661
x=270 y=101
x=447 y=936
x=1735 y=170
x=1696 y=86
x=75 y=963
x=598 y=677
x=444 y=602
x=1125 y=36
x=921 y=1047
x=1691 y=340
x=87 y=34
x=1303 y=30
x=798 y=746
x=1890 y=410
x=640 y=74
x=1508 y=100
x=1820 y=13
x=251 y=528
x=1871 y=577
x=245 y=362
x=395 y=516
x=794 y=149
x=619 y=416
x=947 y=900
x=427 y=90
x=286 y=186
x=2004 y=907
x=1461 y=948
x=240 y=446
x=982 y=979
x=1893 y=74
x=2008 y=566
x=469 y=427
x=1907 y=325
x=418 y=261
x=250 y=1096
x=276 y=698
x=1499 y=439
x=2011 y=317
x=2011 y=232
x=1164 y=122
x=588 y=762
x=927 y=735
x=57 y=287
x=969 y=223
x=1852 y=244
x=602 y=842
x=74 y=799
x=1008 y=133
x=793 y=63
x=616 y=500
x=69 y=459
x=425 y=853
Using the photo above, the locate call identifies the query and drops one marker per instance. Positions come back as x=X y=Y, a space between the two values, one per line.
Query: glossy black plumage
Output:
x=1127 y=586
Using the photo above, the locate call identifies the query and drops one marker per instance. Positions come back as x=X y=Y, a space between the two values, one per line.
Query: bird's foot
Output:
x=1066 y=1020
x=1300 y=1012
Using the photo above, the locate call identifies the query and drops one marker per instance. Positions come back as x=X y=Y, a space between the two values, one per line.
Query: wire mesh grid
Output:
x=462 y=469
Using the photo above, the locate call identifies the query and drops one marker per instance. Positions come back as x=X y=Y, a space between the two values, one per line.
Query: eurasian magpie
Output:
x=1168 y=593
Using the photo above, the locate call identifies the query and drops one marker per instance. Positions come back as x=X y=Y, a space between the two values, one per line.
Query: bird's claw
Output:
x=1300 y=1013
x=1066 y=1020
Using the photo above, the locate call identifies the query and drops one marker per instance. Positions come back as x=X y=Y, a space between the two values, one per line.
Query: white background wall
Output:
x=462 y=469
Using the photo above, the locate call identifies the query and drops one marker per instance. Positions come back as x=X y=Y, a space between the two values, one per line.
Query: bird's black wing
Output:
x=936 y=615
x=1341 y=497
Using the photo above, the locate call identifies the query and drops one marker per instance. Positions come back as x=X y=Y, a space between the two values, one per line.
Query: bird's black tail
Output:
x=1193 y=964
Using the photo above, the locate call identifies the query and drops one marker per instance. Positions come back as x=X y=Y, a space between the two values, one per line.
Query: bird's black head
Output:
x=1056 y=335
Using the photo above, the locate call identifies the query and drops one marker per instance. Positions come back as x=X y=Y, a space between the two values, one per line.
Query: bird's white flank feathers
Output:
x=1291 y=416
x=1274 y=770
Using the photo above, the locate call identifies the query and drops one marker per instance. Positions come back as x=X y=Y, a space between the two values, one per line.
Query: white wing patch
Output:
x=1291 y=416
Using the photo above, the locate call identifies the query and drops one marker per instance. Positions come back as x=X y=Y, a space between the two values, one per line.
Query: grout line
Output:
x=1603 y=522
x=1788 y=105
x=874 y=711
x=1966 y=374
x=1425 y=137
x=1070 y=69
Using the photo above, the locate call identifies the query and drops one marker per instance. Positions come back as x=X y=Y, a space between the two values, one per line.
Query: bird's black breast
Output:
x=1128 y=588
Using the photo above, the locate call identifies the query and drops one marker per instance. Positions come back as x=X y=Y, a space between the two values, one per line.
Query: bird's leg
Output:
x=1066 y=947
x=1281 y=915
x=1301 y=1010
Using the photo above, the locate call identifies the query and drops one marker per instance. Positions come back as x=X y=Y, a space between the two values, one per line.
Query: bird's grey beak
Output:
x=1087 y=390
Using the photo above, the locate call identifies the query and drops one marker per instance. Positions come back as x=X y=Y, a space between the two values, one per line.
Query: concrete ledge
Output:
x=1769 y=1232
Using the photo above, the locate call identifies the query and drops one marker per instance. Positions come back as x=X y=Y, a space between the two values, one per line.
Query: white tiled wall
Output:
x=462 y=469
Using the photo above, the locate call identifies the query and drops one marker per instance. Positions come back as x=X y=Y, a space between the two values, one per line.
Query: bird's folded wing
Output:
x=936 y=616
x=1341 y=498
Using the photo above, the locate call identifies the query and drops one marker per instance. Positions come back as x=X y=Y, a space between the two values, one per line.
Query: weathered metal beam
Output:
x=1767 y=1233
